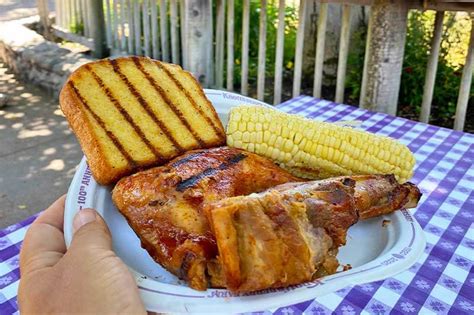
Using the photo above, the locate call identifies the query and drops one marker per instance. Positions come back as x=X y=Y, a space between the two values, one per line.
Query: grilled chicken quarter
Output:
x=164 y=205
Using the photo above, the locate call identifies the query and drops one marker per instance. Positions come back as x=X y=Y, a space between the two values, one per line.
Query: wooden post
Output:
x=182 y=25
x=343 y=52
x=146 y=27
x=43 y=12
x=220 y=31
x=96 y=16
x=299 y=49
x=155 y=42
x=230 y=46
x=123 y=38
x=279 y=53
x=198 y=39
x=174 y=32
x=432 y=68
x=244 y=81
x=466 y=81
x=165 y=53
x=131 y=31
x=137 y=27
x=108 y=26
x=262 y=45
x=384 y=56
x=320 y=46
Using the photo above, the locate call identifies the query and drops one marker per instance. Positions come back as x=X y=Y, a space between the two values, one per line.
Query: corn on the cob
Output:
x=313 y=149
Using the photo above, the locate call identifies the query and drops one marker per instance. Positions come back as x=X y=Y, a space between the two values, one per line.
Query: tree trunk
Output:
x=97 y=24
x=331 y=49
x=384 y=56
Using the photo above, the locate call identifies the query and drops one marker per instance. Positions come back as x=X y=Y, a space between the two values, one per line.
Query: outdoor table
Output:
x=442 y=281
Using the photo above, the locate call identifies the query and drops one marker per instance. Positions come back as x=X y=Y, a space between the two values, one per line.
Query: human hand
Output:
x=86 y=278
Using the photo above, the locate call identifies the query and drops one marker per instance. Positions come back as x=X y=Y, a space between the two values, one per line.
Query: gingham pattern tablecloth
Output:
x=442 y=281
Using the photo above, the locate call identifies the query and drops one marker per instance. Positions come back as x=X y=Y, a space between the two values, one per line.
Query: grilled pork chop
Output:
x=290 y=234
x=164 y=205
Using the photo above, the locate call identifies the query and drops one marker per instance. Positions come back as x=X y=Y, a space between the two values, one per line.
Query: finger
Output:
x=91 y=231
x=54 y=215
x=44 y=243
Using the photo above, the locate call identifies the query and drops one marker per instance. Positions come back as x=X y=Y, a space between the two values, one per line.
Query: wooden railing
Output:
x=183 y=32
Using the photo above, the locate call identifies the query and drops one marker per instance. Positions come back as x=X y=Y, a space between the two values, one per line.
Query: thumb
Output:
x=90 y=231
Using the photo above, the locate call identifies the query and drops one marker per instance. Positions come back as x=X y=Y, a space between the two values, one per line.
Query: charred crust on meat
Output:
x=348 y=182
x=155 y=203
x=193 y=180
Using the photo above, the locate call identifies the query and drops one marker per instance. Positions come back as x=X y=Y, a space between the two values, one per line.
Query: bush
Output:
x=291 y=24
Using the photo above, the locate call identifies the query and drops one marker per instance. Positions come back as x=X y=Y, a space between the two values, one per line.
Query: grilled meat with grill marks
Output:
x=164 y=205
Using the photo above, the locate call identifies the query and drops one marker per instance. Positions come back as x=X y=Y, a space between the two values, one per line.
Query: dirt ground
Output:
x=38 y=152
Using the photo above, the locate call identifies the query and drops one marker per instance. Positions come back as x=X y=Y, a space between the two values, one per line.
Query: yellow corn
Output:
x=313 y=149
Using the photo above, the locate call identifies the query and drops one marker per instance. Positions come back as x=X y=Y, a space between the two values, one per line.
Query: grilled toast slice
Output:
x=134 y=112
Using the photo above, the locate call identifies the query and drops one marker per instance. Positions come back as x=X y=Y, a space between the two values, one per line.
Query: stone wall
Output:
x=35 y=59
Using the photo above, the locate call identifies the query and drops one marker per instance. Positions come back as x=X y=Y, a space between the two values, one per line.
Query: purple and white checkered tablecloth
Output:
x=441 y=282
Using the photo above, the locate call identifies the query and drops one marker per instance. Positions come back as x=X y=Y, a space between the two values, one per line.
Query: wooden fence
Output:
x=183 y=32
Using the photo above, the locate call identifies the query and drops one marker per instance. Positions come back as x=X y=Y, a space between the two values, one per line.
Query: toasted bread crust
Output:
x=102 y=169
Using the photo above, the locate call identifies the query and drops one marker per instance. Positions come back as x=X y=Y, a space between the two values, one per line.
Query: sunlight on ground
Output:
x=55 y=165
x=38 y=153
x=23 y=134
x=49 y=151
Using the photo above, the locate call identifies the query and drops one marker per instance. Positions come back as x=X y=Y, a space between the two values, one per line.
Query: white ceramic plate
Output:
x=374 y=252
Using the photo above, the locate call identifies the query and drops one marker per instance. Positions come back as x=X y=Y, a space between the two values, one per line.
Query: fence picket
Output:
x=164 y=31
x=84 y=18
x=146 y=27
x=245 y=48
x=466 y=80
x=137 y=27
x=343 y=52
x=230 y=45
x=320 y=45
x=67 y=15
x=108 y=23
x=115 y=30
x=299 y=48
x=123 y=38
x=431 y=68
x=174 y=32
x=182 y=25
x=131 y=34
x=73 y=15
x=262 y=45
x=220 y=31
x=78 y=16
x=280 y=43
x=57 y=8
x=155 y=43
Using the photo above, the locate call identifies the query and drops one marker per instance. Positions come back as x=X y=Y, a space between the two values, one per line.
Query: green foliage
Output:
x=291 y=24
x=355 y=65
x=448 y=77
x=76 y=27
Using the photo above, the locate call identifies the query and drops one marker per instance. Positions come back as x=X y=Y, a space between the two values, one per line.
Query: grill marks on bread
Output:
x=146 y=106
x=141 y=109
x=101 y=123
x=166 y=100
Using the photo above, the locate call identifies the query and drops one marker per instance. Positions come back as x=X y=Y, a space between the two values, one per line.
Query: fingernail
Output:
x=83 y=217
